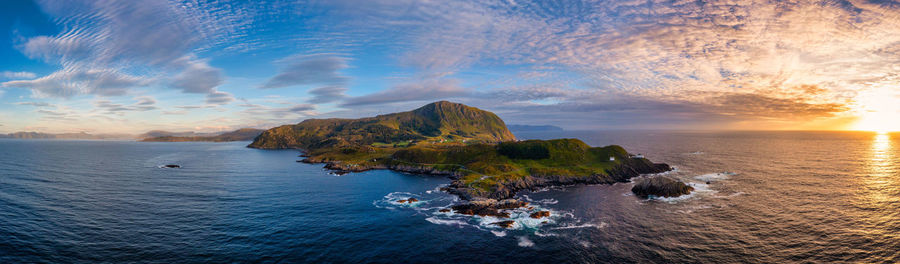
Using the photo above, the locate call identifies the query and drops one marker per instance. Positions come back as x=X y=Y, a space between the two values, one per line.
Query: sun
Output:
x=879 y=111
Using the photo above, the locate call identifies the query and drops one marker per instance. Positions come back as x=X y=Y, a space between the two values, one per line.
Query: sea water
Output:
x=759 y=197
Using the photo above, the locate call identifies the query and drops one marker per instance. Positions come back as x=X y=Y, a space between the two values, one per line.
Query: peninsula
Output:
x=471 y=146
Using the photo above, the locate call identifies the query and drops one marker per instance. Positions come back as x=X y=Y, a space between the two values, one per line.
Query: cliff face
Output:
x=436 y=121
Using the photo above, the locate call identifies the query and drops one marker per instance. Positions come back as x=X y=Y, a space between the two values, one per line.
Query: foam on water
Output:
x=525 y=242
x=541 y=201
x=575 y=226
x=713 y=177
x=432 y=202
x=450 y=222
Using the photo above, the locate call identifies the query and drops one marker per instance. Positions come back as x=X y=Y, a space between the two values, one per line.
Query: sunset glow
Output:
x=880 y=111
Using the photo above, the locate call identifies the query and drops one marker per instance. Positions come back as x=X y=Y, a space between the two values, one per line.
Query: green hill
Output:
x=470 y=145
x=439 y=122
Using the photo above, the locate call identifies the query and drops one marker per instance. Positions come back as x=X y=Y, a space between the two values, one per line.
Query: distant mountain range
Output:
x=81 y=135
x=243 y=134
x=531 y=128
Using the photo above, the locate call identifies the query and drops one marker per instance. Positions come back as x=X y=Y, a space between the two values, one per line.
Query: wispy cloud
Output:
x=143 y=103
x=104 y=40
x=17 y=75
x=318 y=69
x=70 y=82
x=327 y=94
x=219 y=98
x=432 y=89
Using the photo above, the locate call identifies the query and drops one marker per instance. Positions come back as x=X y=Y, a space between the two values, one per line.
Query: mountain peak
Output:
x=438 y=121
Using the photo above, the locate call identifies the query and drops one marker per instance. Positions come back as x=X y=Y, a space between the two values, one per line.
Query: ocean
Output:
x=761 y=197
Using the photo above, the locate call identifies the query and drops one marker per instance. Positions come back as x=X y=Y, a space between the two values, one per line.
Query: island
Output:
x=243 y=134
x=473 y=147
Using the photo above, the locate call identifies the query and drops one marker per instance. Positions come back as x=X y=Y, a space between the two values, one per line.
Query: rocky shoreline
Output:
x=506 y=190
x=501 y=198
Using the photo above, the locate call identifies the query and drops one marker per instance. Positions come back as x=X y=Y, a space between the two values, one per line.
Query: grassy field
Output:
x=484 y=166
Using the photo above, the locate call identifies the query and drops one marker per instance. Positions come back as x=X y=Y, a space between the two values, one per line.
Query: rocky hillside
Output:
x=436 y=122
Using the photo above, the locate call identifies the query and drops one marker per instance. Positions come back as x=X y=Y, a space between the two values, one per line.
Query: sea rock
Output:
x=173 y=166
x=660 y=186
x=413 y=200
x=445 y=210
x=489 y=207
x=540 y=214
x=401 y=201
x=504 y=224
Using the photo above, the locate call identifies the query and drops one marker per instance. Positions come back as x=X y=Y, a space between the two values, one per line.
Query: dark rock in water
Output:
x=489 y=207
x=505 y=224
x=660 y=186
x=172 y=166
x=539 y=215
x=413 y=200
x=401 y=201
x=445 y=210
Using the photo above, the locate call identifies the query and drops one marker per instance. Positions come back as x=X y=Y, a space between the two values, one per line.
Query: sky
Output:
x=102 y=66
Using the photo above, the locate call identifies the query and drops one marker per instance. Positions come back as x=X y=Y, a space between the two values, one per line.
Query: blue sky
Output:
x=133 y=66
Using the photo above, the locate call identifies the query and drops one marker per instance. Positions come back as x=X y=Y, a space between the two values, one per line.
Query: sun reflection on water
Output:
x=880 y=183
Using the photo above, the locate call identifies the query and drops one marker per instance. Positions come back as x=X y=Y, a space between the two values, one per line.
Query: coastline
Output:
x=630 y=168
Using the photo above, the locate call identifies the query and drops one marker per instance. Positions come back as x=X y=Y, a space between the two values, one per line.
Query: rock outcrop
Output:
x=540 y=214
x=488 y=207
x=660 y=186
x=504 y=224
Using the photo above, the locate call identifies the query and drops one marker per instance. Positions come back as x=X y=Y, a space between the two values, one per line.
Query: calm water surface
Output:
x=771 y=197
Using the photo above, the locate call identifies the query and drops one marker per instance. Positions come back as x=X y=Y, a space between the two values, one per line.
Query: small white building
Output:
x=611 y=158
x=638 y=156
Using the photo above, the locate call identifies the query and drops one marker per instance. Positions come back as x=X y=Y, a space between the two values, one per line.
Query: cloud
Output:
x=17 y=75
x=432 y=89
x=198 y=77
x=219 y=98
x=147 y=37
x=257 y=115
x=327 y=94
x=658 y=50
x=757 y=105
x=525 y=93
x=143 y=103
x=145 y=32
x=67 y=83
x=300 y=108
x=319 y=69
x=35 y=104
